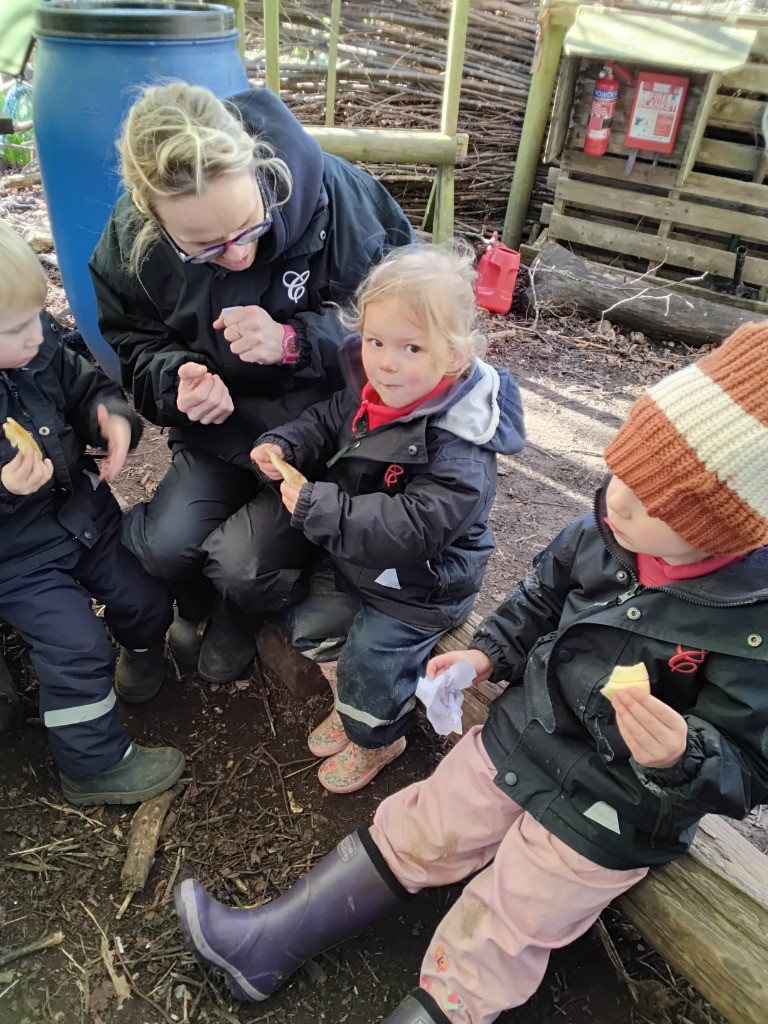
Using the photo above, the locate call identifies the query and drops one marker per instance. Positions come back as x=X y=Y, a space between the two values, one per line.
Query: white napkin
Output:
x=442 y=696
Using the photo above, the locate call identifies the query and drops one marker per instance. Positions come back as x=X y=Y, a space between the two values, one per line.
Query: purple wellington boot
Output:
x=417 y=1008
x=258 y=949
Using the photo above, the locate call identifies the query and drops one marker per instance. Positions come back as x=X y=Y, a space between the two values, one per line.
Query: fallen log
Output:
x=561 y=279
x=706 y=913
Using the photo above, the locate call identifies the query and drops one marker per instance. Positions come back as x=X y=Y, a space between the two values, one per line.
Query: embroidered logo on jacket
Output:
x=687 y=661
x=392 y=474
x=294 y=284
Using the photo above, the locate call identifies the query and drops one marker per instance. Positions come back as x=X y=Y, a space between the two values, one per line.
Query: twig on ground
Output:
x=70 y=810
x=54 y=939
x=135 y=987
x=613 y=956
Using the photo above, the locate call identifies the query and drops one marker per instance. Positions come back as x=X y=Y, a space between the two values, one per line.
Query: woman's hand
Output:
x=26 y=473
x=203 y=396
x=654 y=732
x=481 y=663
x=116 y=431
x=260 y=458
x=252 y=335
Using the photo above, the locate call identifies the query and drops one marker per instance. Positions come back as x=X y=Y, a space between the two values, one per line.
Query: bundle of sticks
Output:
x=390 y=75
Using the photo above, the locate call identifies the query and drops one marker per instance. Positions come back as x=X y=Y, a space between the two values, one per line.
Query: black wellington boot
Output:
x=417 y=1008
x=185 y=638
x=229 y=645
x=139 y=674
x=257 y=949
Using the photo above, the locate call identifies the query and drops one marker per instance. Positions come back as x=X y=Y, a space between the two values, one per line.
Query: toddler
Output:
x=403 y=475
x=564 y=799
x=60 y=547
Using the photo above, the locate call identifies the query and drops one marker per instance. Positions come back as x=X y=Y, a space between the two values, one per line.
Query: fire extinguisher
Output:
x=604 y=101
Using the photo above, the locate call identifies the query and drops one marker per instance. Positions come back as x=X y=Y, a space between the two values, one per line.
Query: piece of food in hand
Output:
x=290 y=474
x=21 y=438
x=624 y=676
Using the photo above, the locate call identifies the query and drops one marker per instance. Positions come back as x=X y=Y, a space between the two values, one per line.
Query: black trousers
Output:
x=214 y=528
x=51 y=608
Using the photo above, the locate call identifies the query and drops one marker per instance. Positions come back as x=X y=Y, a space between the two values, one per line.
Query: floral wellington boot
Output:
x=329 y=737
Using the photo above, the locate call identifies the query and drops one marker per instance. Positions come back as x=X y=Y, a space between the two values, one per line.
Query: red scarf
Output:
x=378 y=414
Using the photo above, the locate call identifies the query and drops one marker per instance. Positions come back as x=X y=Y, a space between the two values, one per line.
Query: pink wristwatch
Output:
x=290 y=345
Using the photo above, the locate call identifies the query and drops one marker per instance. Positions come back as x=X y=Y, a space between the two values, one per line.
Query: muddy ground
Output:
x=249 y=816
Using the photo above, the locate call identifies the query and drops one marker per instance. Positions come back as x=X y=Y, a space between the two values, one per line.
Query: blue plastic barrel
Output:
x=92 y=57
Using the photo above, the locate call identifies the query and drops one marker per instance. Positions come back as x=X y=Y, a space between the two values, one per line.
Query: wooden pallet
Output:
x=649 y=218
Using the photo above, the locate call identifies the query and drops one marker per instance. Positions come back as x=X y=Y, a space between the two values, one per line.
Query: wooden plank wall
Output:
x=645 y=219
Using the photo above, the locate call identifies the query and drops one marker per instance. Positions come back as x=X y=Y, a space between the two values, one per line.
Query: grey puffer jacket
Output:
x=553 y=737
x=337 y=223
x=55 y=398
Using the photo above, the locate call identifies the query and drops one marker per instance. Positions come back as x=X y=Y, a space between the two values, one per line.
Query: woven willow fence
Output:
x=391 y=55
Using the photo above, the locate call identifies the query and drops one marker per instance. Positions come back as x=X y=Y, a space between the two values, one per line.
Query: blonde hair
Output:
x=435 y=285
x=177 y=138
x=23 y=283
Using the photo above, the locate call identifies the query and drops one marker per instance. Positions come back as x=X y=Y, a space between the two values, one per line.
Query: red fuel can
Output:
x=496 y=276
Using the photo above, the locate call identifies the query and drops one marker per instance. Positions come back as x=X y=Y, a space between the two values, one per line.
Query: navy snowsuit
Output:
x=60 y=547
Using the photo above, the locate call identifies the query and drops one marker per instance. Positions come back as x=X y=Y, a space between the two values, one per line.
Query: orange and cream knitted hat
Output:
x=694 y=449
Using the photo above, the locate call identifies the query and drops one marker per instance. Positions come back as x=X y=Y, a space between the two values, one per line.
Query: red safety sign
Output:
x=657 y=111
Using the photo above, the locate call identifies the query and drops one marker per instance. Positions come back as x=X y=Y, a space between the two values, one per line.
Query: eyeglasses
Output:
x=212 y=252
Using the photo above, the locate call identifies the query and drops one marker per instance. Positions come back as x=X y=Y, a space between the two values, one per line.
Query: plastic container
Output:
x=496 y=276
x=92 y=58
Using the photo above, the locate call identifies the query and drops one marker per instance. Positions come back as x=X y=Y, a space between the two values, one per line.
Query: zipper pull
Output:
x=628 y=594
x=340 y=453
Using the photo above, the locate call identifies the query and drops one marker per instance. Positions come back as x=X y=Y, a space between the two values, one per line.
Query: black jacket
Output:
x=336 y=224
x=403 y=510
x=553 y=736
x=55 y=397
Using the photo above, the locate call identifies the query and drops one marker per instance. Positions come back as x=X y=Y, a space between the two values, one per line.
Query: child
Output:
x=60 y=545
x=405 y=463
x=565 y=798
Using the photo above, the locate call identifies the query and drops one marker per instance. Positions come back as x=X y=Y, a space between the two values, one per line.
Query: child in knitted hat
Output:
x=565 y=798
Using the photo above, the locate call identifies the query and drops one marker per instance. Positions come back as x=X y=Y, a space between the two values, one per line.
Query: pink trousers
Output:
x=490 y=951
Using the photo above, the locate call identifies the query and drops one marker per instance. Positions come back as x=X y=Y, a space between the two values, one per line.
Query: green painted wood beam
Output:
x=272 y=44
x=443 y=220
x=454 y=66
x=708 y=96
x=546 y=62
x=333 y=56
x=390 y=145
x=238 y=6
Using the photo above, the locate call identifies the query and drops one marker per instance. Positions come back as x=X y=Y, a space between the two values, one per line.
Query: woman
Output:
x=216 y=278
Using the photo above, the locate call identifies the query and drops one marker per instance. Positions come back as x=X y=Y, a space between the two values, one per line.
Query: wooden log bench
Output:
x=706 y=913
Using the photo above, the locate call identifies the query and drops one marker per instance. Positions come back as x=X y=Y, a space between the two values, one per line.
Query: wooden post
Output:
x=449 y=117
x=238 y=6
x=390 y=145
x=272 y=44
x=444 y=201
x=546 y=64
x=711 y=86
x=333 y=56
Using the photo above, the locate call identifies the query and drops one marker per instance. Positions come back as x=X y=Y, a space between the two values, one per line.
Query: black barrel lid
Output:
x=133 y=19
